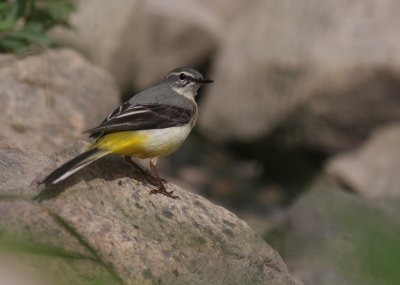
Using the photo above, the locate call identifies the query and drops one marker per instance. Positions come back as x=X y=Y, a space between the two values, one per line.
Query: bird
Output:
x=153 y=123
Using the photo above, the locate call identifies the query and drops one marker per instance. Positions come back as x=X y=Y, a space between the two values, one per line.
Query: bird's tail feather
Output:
x=74 y=165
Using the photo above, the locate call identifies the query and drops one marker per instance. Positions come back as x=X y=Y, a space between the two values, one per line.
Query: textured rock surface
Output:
x=332 y=237
x=372 y=170
x=147 y=38
x=317 y=69
x=47 y=100
x=107 y=221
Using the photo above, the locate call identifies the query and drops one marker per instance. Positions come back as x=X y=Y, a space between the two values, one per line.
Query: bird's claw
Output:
x=164 y=192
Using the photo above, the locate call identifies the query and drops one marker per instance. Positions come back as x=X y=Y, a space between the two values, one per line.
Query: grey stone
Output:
x=106 y=220
x=147 y=38
x=312 y=71
x=14 y=274
x=373 y=169
x=47 y=100
x=333 y=237
x=228 y=11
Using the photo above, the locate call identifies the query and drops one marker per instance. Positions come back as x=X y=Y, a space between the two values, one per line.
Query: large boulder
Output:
x=320 y=75
x=102 y=224
x=373 y=169
x=47 y=100
x=333 y=237
x=227 y=11
x=146 y=39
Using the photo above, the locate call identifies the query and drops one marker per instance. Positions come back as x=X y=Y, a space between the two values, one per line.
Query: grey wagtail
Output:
x=153 y=123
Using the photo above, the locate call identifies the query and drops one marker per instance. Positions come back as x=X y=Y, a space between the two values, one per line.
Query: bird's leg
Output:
x=142 y=171
x=161 y=187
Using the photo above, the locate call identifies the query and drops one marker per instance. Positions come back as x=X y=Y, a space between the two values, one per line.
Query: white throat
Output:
x=190 y=92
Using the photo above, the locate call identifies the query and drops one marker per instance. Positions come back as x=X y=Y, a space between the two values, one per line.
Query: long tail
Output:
x=74 y=165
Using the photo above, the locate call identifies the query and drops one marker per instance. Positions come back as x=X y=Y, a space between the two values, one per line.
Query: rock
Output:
x=332 y=237
x=341 y=118
x=227 y=11
x=47 y=100
x=147 y=38
x=102 y=224
x=314 y=74
x=17 y=275
x=372 y=170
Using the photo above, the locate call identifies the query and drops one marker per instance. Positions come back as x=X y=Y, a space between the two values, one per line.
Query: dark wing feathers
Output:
x=128 y=117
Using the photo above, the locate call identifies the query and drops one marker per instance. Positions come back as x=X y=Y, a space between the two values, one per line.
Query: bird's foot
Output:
x=163 y=191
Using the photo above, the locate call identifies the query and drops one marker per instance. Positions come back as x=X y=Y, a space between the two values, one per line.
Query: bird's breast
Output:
x=161 y=142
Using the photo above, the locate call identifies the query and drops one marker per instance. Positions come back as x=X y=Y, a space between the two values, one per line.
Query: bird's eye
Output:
x=182 y=76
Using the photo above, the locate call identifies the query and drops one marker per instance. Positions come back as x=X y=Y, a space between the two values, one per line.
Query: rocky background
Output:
x=299 y=136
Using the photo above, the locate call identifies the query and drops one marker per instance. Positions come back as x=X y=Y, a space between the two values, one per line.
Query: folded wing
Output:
x=128 y=117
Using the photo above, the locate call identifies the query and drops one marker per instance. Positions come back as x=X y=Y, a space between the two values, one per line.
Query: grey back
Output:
x=161 y=94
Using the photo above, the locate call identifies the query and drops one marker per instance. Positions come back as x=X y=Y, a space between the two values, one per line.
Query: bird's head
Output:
x=186 y=81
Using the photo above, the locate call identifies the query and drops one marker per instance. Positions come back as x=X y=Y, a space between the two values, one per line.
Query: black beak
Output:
x=203 y=80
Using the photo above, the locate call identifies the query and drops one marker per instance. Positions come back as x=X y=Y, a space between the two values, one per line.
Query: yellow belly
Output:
x=146 y=143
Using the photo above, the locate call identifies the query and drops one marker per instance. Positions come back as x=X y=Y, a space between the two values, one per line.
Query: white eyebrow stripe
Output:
x=188 y=74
